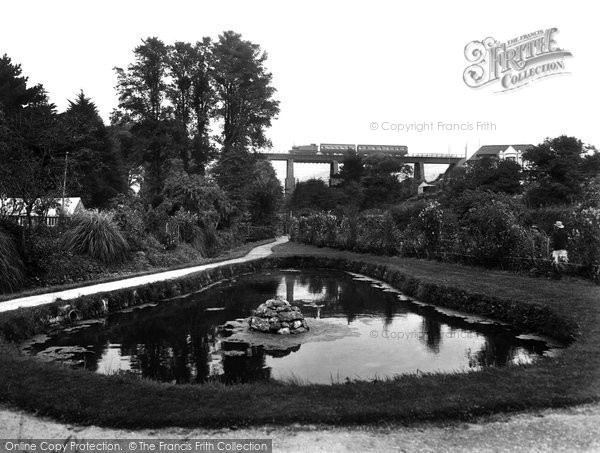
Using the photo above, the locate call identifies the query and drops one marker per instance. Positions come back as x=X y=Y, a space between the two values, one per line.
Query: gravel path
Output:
x=258 y=252
x=575 y=429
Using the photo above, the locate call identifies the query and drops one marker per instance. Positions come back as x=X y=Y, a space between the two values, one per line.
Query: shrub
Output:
x=584 y=231
x=16 y=231
x=423 y=235
x=97 y=235
x=258 y=233
x=183 y=227
x=489 y=230
x=405 y=212
x=377 y=234
x=63 y=267
x=11 y=264
x=129 y=214
x=481 y=228
x=365 y=233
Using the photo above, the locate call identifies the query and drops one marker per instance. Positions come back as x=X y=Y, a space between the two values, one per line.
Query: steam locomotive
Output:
x=334 y=149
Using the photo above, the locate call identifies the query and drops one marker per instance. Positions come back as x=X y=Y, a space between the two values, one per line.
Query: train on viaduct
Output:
x=334 y=153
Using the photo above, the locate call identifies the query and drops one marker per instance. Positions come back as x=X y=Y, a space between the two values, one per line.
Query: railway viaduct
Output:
x=418 y=160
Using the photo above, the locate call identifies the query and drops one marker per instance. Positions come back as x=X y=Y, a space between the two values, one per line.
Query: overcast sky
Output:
x=337 y=66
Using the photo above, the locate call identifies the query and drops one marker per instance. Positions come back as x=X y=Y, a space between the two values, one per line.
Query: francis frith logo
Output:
x=514 y=63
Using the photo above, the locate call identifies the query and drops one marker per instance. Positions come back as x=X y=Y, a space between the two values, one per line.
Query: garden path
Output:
x=573 y=429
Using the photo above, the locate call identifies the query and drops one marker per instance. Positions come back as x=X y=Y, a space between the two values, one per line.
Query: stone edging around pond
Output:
x=24 y=323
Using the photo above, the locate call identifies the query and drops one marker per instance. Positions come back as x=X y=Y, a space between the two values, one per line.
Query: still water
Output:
x=383 y=334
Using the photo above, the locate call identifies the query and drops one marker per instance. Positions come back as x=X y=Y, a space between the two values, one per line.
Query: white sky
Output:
x=337 y=66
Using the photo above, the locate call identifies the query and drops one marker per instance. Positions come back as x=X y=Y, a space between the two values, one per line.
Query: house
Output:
x=426 y=187
x=503 y=152
x=15 y=208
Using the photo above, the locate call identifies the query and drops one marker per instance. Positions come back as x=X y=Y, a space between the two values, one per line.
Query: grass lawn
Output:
x=83 y=397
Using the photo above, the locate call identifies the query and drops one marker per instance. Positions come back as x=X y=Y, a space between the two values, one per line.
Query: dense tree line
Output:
x=176 y=164
x=206 y=105
x=172 y=97
x=557 y=172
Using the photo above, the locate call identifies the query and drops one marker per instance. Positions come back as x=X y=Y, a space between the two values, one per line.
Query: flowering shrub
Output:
x=483 y=228
x=377 y=234
x=327 y=230
x=369 y=233
x=130 y=216
x=584 y=233
x=489 y=232
x=423 y=235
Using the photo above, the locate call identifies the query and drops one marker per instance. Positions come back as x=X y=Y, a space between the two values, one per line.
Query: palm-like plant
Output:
x=11 y=265
x=97 y=235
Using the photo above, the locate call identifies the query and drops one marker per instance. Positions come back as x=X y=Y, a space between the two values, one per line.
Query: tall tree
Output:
x=143 y=109
x=14 y=92
x=96 y=169
x=244 y=92
x=192 y=95
x=246 y=106
x=142 y=86
x=31 y=140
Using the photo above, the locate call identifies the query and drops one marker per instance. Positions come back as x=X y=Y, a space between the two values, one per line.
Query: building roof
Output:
x=72 y=206
x=494 y=150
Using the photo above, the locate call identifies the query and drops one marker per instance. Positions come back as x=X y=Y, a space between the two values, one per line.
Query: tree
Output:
x=245 y=105
x=142 y=87
x=194 y=207
x=233 y=173
x=197 y=194
x=170 y=95
x=557 y=169
x=192 y=95
x=314 y=195
x=352 y=170
x=495 y=175
x=14 y=93
x=31 y=141
x=95 y=166
x=144 y=111
x=244 y=93
x=264 y=194
x=381 y=181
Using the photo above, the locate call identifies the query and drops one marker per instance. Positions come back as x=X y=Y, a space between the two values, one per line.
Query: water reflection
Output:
x=179 y=341
x=432 y=333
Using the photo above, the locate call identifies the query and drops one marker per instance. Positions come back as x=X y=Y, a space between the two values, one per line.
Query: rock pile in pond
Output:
x=278 y=316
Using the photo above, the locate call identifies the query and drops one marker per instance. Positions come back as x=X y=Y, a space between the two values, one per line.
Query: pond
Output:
x=361 y=329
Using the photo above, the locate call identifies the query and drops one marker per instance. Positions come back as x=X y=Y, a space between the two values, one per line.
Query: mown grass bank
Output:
x=569 y=308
